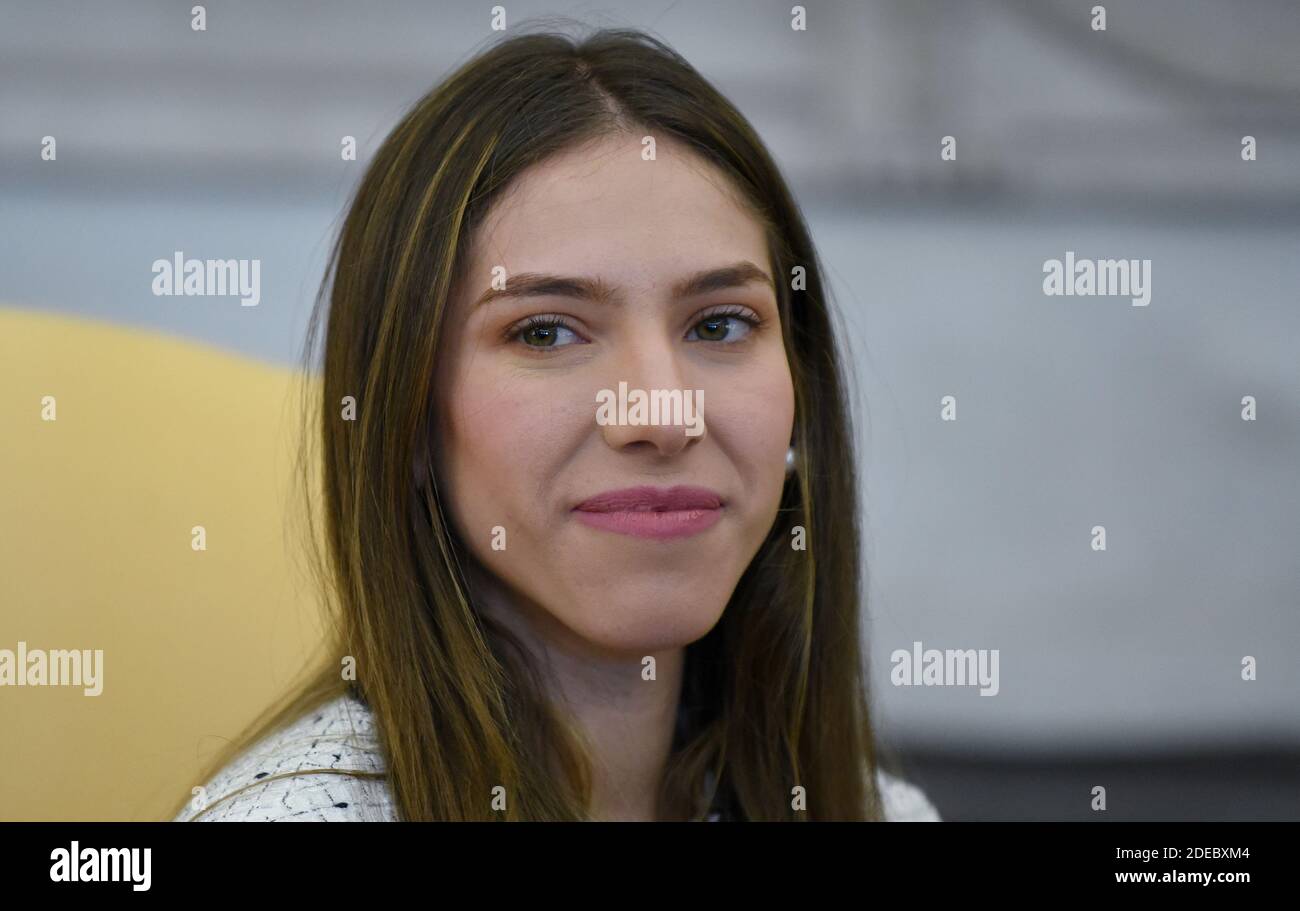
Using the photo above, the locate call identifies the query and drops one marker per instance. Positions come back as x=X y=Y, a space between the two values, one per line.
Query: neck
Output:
x=626 y=722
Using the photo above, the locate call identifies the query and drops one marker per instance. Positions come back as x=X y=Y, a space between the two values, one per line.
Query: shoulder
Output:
x=903 y=801
x=306 y=771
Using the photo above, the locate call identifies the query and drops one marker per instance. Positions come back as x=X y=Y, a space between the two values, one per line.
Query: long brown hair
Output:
x=775 y=695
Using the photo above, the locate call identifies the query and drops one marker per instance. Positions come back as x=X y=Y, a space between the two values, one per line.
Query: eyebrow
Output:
x=537 y=284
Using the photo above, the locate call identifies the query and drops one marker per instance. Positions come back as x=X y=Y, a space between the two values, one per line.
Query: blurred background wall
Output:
x=1118 y=668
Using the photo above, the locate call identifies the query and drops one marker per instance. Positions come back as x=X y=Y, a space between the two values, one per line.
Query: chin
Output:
x=644 y=623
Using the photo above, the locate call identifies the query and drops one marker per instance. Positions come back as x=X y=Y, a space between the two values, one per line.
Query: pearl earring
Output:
x=789 y=461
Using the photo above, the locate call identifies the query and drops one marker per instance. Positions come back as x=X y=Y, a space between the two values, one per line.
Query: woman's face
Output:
x=595 y=248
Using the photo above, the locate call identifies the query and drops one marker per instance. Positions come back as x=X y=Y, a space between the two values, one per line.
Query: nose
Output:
x=650 y=405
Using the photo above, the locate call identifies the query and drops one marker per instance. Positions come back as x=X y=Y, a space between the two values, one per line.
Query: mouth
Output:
x=652 y=512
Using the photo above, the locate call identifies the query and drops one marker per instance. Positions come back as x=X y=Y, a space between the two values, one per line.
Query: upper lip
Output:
x=657 y=499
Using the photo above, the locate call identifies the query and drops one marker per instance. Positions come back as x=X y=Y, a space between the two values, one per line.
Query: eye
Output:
x=543 y=332
x=730 y=325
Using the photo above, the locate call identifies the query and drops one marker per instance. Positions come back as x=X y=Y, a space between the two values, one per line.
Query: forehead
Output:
x=602 y=209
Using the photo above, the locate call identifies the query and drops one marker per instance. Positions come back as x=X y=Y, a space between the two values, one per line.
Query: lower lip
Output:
x=680 y=523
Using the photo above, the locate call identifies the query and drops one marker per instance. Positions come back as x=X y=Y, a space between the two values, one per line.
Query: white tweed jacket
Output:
x=278 y=779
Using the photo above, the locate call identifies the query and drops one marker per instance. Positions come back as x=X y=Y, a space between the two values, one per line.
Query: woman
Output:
x=554 y=602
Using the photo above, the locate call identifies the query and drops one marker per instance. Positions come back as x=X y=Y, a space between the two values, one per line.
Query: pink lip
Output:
x=652 y=512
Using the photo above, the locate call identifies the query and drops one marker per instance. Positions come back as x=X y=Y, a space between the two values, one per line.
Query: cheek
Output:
x=485 y=462
x=506 y=444
x=755 y=415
